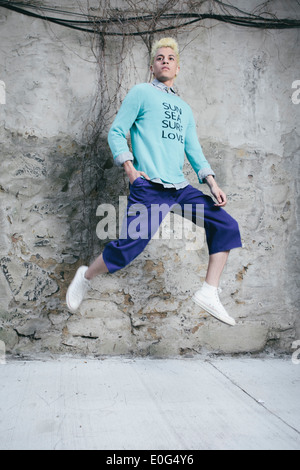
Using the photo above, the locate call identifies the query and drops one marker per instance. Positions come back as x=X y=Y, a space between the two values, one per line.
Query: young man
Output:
x=163 y=131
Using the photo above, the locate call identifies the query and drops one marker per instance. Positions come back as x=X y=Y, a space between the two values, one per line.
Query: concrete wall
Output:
x=239 y=84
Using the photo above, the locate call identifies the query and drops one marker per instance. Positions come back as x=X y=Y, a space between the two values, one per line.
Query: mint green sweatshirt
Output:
x=162 y=131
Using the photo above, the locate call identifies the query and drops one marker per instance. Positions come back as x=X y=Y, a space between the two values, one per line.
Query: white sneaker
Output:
x=208 y=299
x=77 y=289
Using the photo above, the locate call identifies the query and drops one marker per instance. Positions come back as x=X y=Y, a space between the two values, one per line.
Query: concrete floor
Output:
x=150 y=404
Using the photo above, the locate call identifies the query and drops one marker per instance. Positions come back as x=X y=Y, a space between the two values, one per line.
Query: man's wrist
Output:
x=123 y=157
x=210 y=180
x=127 y=164
x=128 y=167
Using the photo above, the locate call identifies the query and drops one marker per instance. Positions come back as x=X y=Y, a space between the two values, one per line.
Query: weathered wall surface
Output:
x=239 y=84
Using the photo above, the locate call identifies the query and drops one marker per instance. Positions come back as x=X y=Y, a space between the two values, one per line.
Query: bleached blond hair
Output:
x=164 y=42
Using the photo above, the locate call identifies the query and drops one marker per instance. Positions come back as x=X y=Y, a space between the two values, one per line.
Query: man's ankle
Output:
x=208 y=286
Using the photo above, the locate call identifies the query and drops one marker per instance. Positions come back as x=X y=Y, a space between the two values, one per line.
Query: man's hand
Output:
x=219 y=195
x=132 y=173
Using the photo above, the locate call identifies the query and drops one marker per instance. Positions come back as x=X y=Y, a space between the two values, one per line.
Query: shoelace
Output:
x=219 y=301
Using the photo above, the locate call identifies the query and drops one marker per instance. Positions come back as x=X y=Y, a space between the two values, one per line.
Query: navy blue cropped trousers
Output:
x=149 y=203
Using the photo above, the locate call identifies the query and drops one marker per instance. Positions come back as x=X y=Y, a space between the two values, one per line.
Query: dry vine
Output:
x=96 y=157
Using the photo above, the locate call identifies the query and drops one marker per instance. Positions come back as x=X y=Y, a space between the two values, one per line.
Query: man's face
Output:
x=165 y=66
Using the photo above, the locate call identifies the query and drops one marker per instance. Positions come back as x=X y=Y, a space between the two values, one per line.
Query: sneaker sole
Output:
x=211 y=312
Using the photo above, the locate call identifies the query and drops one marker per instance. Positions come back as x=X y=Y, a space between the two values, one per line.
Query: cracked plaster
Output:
x=249 y=131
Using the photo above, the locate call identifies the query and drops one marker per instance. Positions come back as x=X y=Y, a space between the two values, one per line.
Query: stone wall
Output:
x=239 y=84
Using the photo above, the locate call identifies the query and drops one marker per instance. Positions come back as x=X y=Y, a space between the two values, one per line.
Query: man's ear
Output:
x=152 y=71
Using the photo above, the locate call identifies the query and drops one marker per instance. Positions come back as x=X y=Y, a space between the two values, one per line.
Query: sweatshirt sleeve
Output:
x=194 y=152
x=117 y=136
